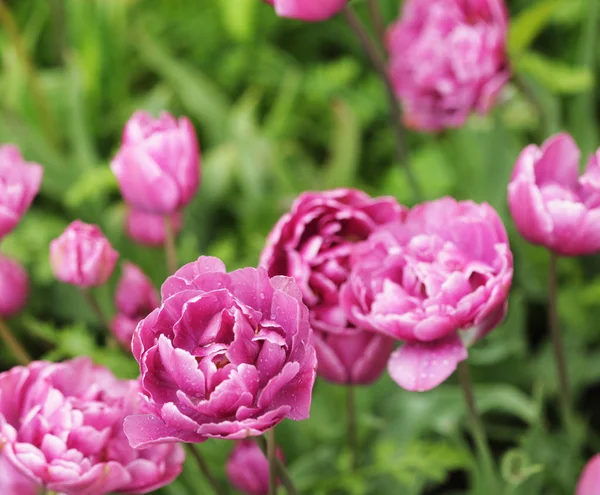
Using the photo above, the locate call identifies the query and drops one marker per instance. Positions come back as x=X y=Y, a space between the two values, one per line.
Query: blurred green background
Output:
x=281 y=107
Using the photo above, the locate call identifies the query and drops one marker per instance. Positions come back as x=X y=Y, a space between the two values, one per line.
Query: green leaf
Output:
x=555 y=75
x=525 y=27
x=239 y=18
x=94 y=185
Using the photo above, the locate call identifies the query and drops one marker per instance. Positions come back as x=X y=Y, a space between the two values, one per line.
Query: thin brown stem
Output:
x=378 y=63
x=284 y=475
x=377 y=20
x=351 y=419
x=564 y=390
x=11 y=28
x=170 y=249
x=217 y=488
x=17 y=350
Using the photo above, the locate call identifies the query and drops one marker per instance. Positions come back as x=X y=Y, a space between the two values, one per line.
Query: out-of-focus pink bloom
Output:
x=158 y=165
x=312 y=243
x=13 y=482
x=19 y=183
x=82 y=255
x=308 y=10
x=550 y=203
x=135 y=298
x=447 y=59
x=148 y=228
x=248 y=469
x=589 y=482
x=14 y=286
x=61 y=425
x=227 y=355
x=447 y=267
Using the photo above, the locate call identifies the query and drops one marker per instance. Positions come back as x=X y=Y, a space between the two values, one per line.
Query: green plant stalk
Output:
x=484 y=454
x=17 y=350
x=217 y=488
x=351 y=419
x=377 y=20
x=564 y=389
x=284 y=475
x=378 y=63
x=272 y=457
x=170 y=249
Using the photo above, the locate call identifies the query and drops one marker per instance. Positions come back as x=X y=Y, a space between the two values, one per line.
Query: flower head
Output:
x=19 y=183
x=61 y=426
x=308 y=10
x=447 y=267
x=227 y=355
x=82 y=255
x=447 y=59
x=248 y=469
x=550 y=203
x=158 y=165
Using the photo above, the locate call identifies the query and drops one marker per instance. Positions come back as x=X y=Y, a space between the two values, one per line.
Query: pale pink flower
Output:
x=14 y=286
x=589 y=482
x=308 y=10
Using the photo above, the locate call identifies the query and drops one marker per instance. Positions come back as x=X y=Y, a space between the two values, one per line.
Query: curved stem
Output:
x=351 y=418
x=272 y=457
x=284 y=475
x=378 y=63
x=170 y=250
x=477 y=430
x=564 y=391
x=205 y=469
x=17 y=350
x=377 y=19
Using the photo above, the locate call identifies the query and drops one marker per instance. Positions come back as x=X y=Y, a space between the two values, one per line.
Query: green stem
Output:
x=284 y=475
x=377 y=20
x=564 y=390
x=18 y=351
x=378 y=63
x=351 y=418
x=170 y=249
x=272 y=457
x=485 y=457
x=205 y=469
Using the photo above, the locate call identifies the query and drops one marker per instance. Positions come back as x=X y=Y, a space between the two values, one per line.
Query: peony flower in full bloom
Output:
x=19 y=183
x=148 y=229
x=82 y=256
x=227 y=355
x=313 y=243
x=158 y=165
x=135 y=298
x=589 y=481
x=61 y=426
x=447 y=59
x=550 y=203
x=14 y=286
x=446 y=267
x=248 y=469
x=308 y=10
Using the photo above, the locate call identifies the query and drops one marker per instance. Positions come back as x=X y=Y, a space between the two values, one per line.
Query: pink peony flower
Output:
x=589 y=482
x=448 y=58
x=550 y=203
x=308 y=10
x=313 y=243
x=82 y=256
x=158 y=165
x=248 y=469
x=135 y=298
x=14 y=286
x=61 y=425
x=227 y=355
x=447 y=267
x=148 y=229
x=19 y=183
x=13 y=482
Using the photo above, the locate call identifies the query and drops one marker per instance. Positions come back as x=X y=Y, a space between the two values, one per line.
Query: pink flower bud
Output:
x=550 y=203
x=135 y=298
x=248 y=469
x=19 y=183
x=82 y=256
x=158 y=165
x=14 y=286
x=148 y=229
x=308 y=10
x=447 y=59
x=589 y=482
